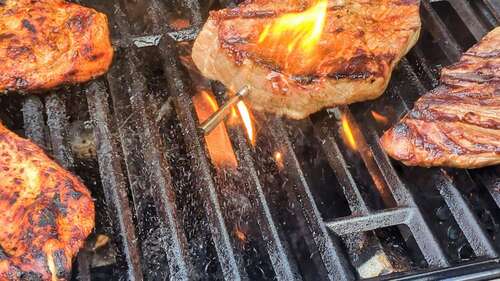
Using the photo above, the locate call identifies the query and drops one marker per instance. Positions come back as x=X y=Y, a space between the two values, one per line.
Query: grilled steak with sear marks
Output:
x=45 y=213
x=46 y=43
x=362 y=41
x=458 y=123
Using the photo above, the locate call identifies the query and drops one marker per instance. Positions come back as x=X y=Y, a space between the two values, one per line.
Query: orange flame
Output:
x=347 y=134
x=380 y=118
x=240 y=234
x=234 y=114
x=219 y=145
x=234 y=117
x=278 y=158
x=247 y=120
x=293 y=38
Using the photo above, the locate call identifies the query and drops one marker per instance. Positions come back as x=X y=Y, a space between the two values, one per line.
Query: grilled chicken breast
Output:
x=46 y=43
x=458 y=123
x=360 y=44
x=45 y=213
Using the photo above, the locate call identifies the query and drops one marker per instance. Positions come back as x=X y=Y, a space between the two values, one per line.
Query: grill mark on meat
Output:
x=449 y=143
x=241 y=13
x=30 y=276
x=234 y=40
x=20 y=83
x=79 y=22
x=406 y=2
x=258 y=14
x=304 y=79
x=471 y=118
x=355 y=68
x=5 y=36
x=484 y=55
x=47 y=218
x=352 y=75
x=469 y=77
x=27 y=24
x=458 y=123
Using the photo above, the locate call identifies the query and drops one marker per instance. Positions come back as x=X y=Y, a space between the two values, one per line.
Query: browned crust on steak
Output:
x=47 y=43
x=458 y=123
x=46 y=213
x=361 y=43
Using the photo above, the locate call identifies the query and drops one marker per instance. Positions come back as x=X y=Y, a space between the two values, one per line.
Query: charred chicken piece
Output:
x=45 y=213
x=458 y=123
x=300 y=56
x=47 y=43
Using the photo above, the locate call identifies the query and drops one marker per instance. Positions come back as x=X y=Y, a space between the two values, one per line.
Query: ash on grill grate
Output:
x=315 y=199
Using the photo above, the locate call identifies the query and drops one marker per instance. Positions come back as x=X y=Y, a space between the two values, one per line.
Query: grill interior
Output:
x=321 y=211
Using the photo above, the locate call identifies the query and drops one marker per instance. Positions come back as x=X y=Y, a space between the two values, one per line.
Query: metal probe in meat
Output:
x=208 y=125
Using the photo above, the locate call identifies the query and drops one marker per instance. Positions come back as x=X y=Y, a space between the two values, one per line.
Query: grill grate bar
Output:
x=464 y=10
x=113 y=181
x=333 y=259
x=492 y=182
x=494 y=7
x=160 y=184
x=33 y=120
x=337 y=162
x=83 y=260
x=127 y=137
x=438 y=29
x=376 y=220
x=231 y=269
x=283 y=267
x=466 y=219
x=423 y=63
x=194 y=7
x=58 y=124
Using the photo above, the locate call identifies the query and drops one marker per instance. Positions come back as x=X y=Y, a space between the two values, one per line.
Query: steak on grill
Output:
x=45 y=213
x=458 y=123
x=361 y=43
x=46 y=43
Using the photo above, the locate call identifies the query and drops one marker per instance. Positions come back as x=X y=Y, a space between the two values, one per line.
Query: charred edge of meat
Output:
x=237 y=13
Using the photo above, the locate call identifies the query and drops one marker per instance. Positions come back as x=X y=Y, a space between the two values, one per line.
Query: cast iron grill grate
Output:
x=325 y=211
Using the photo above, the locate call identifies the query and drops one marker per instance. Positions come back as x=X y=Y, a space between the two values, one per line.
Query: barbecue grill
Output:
x=303 y=203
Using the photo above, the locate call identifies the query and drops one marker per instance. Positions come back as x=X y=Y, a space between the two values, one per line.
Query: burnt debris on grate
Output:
x=302 y=203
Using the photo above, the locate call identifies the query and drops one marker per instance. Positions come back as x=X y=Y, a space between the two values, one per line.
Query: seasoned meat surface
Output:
x=46 y=43
x=361 y=42
x=458 y=123
x=45 y=213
